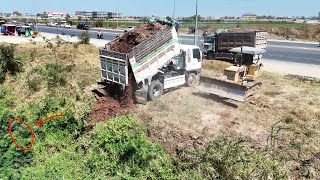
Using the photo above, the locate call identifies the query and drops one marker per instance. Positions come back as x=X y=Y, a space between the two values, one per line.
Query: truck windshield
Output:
x=208 y=39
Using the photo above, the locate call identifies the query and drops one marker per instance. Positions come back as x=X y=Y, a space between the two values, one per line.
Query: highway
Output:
x=285 y=51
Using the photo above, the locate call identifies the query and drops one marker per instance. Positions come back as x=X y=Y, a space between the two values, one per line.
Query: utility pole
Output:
x=36 y=22
x=196 y=34
x=174 y=8
x=117 y=14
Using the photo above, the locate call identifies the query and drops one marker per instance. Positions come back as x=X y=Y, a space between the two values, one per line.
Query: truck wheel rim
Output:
x=156 y=91
x=191 y=80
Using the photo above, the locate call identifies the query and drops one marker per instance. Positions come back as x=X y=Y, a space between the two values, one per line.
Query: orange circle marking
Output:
x=10 y=132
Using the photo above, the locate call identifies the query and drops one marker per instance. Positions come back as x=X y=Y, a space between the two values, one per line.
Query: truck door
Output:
x=193 y=59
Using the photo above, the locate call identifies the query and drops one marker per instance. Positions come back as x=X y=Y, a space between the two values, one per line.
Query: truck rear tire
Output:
x=210 y=56
x=237 y=59
x=192 y=79
x=155 y=90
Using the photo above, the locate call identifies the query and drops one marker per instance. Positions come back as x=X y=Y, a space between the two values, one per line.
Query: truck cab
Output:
x=208 y=46
x=183 y=69
x=189 y=60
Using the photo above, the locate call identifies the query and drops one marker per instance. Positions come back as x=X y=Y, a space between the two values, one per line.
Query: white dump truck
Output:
x=157 y=64
x=161 y=62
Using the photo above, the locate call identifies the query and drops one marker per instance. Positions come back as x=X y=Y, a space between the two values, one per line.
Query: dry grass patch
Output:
x=57 y=70
x=283 y=115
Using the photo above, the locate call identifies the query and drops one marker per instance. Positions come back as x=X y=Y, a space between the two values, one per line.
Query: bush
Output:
x=12 y=160
x=118 y=148
x=98 y=23
x=55 y=75
x=84 y=38
x=33 y=84
x=224 y=158
x=52 y=106
x=71 y=22
x=121 y=148
x=8 y=63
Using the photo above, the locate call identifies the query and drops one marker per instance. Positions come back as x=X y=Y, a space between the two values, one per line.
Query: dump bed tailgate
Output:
x=114 y=66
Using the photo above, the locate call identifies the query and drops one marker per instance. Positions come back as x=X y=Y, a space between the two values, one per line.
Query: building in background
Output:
x=84 y=14
x=249 y=16
x=114 y=15
x=99 y=14
x=5 y=14
x=319 y=15
x=96 y=14
x=56 y=15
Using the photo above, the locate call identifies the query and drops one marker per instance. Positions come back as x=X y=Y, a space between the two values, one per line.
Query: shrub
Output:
x=71 y=22
x=118 y=148
x=84 y=38
x=12 y=159
x=55 y=75
x=8 y=63
x=56 y=105
x=224 y=158
x=76 y=45
x=121 y=148
x=33 y=84
x=98 y=23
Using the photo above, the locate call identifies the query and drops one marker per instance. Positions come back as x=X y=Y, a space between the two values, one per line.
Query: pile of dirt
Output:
x=113 y=102
x=140 y=33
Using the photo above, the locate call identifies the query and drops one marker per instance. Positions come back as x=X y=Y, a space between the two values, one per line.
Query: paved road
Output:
x=295 y=52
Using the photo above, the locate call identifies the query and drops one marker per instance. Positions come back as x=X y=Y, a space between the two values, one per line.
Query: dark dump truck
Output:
x=222 y=45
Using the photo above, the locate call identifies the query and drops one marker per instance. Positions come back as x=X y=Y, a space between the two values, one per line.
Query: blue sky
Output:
x=215 y=8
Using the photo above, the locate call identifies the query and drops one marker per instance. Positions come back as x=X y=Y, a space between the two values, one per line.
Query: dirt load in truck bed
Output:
x=126 y=42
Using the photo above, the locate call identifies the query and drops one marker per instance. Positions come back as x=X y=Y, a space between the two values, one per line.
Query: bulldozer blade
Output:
x=227 y=89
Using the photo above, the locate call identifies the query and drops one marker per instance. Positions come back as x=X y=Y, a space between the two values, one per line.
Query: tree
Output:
x=84 y=38
x=8 y=63
x=70 y=21
x=17 y=13
x=98 y=23
x=68 y=17
x=194 y=18
x=44 y=14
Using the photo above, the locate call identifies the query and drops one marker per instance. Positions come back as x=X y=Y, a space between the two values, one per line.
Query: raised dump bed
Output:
x=145 y=59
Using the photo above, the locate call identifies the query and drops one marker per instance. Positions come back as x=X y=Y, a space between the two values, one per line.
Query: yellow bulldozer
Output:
x=239 y=81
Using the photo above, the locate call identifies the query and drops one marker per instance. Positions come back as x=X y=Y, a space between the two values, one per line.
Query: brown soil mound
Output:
x=134 y=37
x=116 y=102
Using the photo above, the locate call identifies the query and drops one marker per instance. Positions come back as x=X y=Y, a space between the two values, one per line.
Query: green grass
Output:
x=119 y=148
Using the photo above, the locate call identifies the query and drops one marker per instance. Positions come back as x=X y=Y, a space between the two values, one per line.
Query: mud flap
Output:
x=141 y=96
x=223 y=88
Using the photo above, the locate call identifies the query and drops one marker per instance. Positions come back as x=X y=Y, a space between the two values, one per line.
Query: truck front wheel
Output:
x=192 y=79
x=155 y=90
